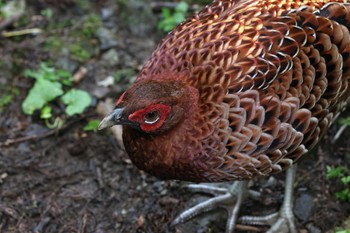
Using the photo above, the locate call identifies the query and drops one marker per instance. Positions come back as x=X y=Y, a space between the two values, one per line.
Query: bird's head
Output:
x=151 y=106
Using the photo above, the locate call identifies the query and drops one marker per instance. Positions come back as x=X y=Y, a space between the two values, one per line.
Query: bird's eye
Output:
x=151 y=117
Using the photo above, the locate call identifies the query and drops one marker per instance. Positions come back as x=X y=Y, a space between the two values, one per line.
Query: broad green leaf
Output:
x=76 y=101
x=41 y=93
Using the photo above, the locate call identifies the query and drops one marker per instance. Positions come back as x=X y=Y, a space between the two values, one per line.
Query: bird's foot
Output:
x=228 y=198
x=282 y=221
x=231 y=199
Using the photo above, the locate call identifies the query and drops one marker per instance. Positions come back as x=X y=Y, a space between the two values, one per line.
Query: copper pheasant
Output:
x=241 y=89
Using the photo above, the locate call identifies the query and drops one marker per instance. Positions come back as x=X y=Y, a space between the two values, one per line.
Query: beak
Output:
x=114 y=118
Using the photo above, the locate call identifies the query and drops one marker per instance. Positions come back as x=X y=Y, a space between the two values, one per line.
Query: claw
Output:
x=282 y=221
x=202 y=207
x=229 y=198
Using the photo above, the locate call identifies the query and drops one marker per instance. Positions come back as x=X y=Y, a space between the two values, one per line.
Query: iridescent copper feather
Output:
x=264 y=80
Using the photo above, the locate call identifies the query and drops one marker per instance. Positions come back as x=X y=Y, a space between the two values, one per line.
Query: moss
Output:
x=78 y=52
x=90 y=24
x=6 y=96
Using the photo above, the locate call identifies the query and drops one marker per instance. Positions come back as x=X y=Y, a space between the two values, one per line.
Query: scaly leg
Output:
x=231 y=199
x=282 y=221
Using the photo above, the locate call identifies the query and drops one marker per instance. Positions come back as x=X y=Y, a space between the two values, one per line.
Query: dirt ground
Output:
x=70 y=180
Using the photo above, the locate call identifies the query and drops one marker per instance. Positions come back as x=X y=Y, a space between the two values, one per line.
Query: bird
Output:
x=241 y=89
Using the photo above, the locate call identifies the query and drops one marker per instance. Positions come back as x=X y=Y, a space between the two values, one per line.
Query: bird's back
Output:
x=271 y=75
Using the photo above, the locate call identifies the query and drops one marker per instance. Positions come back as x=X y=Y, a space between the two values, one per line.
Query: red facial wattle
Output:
x=139 y=115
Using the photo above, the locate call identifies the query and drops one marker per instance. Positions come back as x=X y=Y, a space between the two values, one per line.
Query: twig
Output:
x=9 y=142
x=23 y=32
x=248 y=228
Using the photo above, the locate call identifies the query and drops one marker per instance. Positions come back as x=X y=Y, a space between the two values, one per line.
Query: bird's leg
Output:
x=229 y=198
x=282 y=221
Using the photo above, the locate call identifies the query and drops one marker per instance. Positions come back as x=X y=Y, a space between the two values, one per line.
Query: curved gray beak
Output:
x=114 y=118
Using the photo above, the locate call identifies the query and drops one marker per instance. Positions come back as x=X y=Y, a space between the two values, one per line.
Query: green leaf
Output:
x=342 y=231
x=345 y=180
x=46 y=112
x=343 y=195
x=182 y=7
x=178 y=18
x=344 y=121
x=76 y=101
x=166 y=13
x=50 y=73
x=41 y=93
x=48 y=13
x=335 y=172
x=92 y=125
x=65 y=77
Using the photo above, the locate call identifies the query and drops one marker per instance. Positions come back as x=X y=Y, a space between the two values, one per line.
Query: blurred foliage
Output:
x=78 y=52
x=92 y=125
x=6 y=96
x=47 y=12
x=171 y=19
x=126 y=73
x=79 y=39
x=344 y=121
x=90 y=24
x=340 y=174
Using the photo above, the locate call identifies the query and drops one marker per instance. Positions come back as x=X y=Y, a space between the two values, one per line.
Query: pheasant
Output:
x=241 y=89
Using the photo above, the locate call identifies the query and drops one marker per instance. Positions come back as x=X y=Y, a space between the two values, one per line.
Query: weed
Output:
x=342 y=231
x=171 y=19
x=78 y=52
x=340 y=173
x=92 y=125
x=6 y=96
x=90 y=24
x=344 y=121
x=83 y=4
x=48 y=13
x=123 y=74
x=49 y=84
